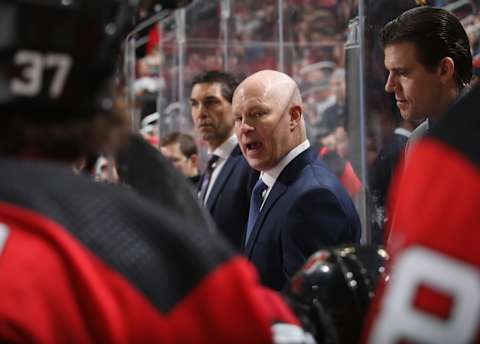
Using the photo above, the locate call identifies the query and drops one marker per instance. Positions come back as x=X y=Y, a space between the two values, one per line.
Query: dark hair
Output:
x=186 y=142
x=228 y=82
x=436 y=34
x=66 y=140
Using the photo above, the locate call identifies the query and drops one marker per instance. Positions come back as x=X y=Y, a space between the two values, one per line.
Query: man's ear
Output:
x=295 y=116
x=446 y=69
x=194 y=159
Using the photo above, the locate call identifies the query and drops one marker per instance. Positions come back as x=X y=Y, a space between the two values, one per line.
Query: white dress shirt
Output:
x=223 y=152
x=270 y=177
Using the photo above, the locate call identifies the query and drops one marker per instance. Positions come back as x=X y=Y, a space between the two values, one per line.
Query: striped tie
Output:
x=255 y=204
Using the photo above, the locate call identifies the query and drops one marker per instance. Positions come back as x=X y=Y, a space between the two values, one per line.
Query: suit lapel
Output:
x=199 y=185
x=283 y=182
x=223 y=176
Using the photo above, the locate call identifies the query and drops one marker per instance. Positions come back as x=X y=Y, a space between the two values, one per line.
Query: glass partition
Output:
x=330 y=47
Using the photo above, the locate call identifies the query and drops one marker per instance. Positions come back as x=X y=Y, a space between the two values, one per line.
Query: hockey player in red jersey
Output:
x=85 y=262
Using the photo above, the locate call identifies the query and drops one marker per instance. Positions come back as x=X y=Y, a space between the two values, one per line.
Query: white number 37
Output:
x=34 y=65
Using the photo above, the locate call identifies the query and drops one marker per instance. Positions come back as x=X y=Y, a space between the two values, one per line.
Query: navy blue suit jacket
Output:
x=307 y=209
x=229 y=199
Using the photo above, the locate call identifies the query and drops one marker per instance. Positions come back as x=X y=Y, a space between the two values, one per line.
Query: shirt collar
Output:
x=226 y=148
x=402 y=131
x=270 y=177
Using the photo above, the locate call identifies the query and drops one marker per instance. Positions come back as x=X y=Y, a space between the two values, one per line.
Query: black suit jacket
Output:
x=380 y=176
x=229 y=199
x=307 y=209
x=384 y=166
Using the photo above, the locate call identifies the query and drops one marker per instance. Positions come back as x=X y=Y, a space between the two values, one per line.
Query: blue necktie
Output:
x=255 y=203
x=211 y=164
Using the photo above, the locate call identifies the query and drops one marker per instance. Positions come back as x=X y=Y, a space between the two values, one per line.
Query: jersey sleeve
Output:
x=433 y=294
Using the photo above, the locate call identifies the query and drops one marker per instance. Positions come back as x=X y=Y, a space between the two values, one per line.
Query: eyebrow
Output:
x=210 y=97
x=255 y=107
x=397 y=70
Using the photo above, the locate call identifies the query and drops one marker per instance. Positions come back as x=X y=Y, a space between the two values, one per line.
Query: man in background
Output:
x=180 y=149
x=225 y=185
x=335 y=115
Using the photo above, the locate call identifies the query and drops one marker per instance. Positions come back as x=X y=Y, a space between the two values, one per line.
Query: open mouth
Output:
x=253 y=146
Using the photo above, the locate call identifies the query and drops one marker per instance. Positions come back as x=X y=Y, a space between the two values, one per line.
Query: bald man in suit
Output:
x=297 y=205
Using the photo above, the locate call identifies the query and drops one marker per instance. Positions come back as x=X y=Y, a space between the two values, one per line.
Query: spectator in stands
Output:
x=341 y=167
x=105 y=170
x=342 y=145
x=335 y=115
x=181 y=150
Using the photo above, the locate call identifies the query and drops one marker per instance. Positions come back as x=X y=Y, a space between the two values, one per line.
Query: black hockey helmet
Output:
x=57 y=57
x=334 y=289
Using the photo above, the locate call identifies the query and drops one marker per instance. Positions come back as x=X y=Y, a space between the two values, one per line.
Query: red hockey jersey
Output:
x=433 y=294
x=83 y=262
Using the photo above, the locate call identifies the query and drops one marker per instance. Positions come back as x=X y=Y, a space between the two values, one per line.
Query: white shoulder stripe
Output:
x=4 y=232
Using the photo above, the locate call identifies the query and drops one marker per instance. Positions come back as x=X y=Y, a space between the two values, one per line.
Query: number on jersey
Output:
x=33 y=66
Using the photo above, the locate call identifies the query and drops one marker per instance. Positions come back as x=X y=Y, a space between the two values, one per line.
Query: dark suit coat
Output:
x=229 y=199
x=307 y=209
x=380 y=176
x=384 y=166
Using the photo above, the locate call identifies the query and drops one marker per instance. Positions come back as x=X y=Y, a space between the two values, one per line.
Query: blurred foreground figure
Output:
x=433 y=294
x=86 y=262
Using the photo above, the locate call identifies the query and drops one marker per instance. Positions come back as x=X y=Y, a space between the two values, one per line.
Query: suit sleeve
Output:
x=316 y=219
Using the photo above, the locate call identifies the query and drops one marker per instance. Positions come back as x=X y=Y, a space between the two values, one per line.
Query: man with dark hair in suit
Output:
x=180 y=149
x=297 y=205
x=225 y=186
x=427 y=55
